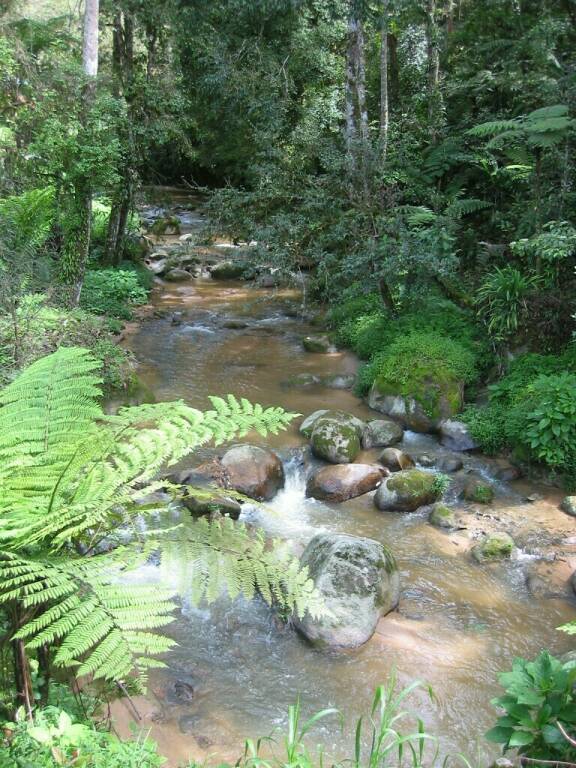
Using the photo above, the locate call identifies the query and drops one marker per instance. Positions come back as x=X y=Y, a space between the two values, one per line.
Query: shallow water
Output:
x=458 y=623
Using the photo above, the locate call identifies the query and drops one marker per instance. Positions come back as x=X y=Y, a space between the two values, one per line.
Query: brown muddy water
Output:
x=458 y=623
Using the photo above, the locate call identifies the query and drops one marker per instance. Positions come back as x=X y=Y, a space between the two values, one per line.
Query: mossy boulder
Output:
x=478 y=491
x=335 y=440
x=407 y=490
x=358 y=581
x=339 y=381
x=423 y=411
x=228 y=270
x=343 y=481
x=380 y=433
x=420 y=379
x=395 y=460
x=308 y=424
x=496 y=546
x=317 y=344
x=442 y=516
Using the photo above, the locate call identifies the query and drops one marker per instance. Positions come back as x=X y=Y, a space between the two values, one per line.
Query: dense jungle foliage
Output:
x=411 y=163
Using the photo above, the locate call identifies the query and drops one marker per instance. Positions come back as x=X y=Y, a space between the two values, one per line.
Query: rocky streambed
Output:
x=463 y=564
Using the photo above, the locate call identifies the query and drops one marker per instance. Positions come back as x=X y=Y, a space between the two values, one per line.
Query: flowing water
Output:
x=458 y=623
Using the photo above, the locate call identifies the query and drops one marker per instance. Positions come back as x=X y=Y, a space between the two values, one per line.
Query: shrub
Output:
x=544 y=419
x=487 y=426
x=538 y=704
x=54 y=739
x=502 y=300
x=112 y=292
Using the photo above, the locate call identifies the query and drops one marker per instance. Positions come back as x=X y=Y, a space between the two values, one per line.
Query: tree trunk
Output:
x=361 y=82
x=76 y=250
x=23 y=677
x=393 y=71
x=384 y=100
x=434 y=96
x=351 y=132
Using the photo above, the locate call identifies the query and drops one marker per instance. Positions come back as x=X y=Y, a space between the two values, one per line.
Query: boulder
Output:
x=208 y=505
x=339 y=381
x=335 y=438
x=308 y=424
x=416 y=413
x=407 y=490
x=358 y=581
x=381 y=433
x=568 y=505
x=177 y=275
x=449 y=464
x=442 y=516
x=301 y=381
x=256 y=472
x=316 y=344
x=456 y=436
x=228 y=270
x=395 y=460
x=496 y=546
x=235 y=324
x=157 y=267
x=343 y=481
x=479 y=491
x=425 y=460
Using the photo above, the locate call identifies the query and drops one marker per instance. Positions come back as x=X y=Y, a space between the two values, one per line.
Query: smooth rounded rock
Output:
x=339 y=381
x=358 y=581
x=406 y=491
x=256 y=472
x=343 y=481
x=449 y=464
x=308 y=423
x=207 y=505
x=395 y=460
x=177 y=275
x=568 y=505
x=381 y=433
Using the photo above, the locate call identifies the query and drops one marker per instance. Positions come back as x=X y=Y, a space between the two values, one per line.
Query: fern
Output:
x=71 y=476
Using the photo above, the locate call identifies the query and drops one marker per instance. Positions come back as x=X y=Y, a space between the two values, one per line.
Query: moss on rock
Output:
x=496 y=546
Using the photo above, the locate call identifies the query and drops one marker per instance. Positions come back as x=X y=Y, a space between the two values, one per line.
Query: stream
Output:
x=458 y=623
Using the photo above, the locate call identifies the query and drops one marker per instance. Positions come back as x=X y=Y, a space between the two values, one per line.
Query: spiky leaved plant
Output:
x=71 y=477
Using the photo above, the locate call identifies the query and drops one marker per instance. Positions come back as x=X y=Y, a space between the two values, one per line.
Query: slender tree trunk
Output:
x=23 y=677
x=384 y=98
x=77 y=244
x=351 y=132
x=393 y=70
x=151 y=37
x=434 y=96
x=361 y=82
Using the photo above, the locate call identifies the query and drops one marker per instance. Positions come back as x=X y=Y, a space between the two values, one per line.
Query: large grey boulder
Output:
x=336 y=438
x=317 y=344
x=256 y=472
x=343 y=481
x=358 y=581
x=456 y=436
x=406 y=491
x=381 y=433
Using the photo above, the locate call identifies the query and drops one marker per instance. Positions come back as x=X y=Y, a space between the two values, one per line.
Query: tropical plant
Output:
x=72 y=479
x=52 y=739
x=539 y=709
x=544 y=418
x=502 y=300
